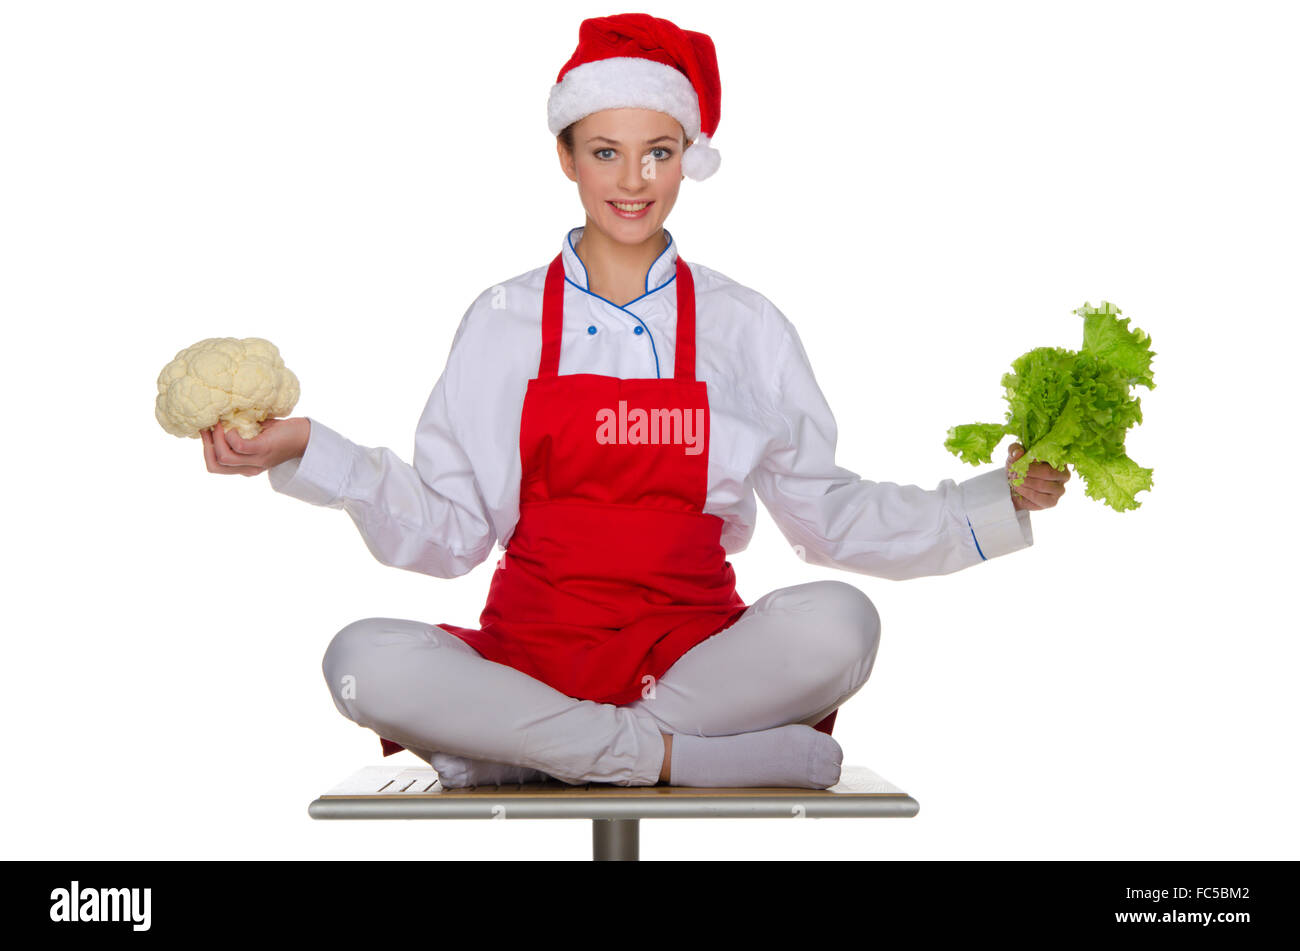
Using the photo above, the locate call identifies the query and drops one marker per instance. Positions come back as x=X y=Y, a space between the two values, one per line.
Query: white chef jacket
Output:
x=771 y=432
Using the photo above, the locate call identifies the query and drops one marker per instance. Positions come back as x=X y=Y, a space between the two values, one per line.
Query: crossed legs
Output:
x=794 y=656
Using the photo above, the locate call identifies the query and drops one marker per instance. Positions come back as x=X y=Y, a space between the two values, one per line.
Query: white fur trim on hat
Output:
x=624 y=82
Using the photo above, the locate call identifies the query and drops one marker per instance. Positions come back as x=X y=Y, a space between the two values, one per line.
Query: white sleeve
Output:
x=841 y=520
x=429 y=517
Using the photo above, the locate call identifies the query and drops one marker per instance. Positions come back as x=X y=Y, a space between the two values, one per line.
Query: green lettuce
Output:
x=1074 y=408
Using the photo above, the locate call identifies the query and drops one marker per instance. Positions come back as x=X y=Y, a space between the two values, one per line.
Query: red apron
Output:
x=613 y=571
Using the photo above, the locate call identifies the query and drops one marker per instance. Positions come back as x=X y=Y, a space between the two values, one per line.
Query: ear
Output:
x=566 y=160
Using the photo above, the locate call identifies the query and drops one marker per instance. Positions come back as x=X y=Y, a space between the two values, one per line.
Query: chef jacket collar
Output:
x=662 y=270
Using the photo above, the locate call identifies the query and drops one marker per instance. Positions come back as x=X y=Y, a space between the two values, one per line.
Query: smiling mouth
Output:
x=629 y=207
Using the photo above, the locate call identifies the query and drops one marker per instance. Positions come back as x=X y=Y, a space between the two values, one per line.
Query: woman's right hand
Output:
x=227 y=453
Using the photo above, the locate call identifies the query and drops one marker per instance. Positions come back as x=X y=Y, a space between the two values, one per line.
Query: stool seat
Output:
x=391 y=792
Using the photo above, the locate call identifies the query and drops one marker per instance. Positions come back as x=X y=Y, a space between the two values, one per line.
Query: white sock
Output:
x=457 y=772
x=791 y=755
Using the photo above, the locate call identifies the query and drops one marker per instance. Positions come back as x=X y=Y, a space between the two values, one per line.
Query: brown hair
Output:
x=566 y=136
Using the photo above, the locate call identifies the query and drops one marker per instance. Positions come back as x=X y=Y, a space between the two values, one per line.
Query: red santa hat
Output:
x=634 y=60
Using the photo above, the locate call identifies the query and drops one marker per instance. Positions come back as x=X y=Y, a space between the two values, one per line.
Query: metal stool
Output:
x=388 y=792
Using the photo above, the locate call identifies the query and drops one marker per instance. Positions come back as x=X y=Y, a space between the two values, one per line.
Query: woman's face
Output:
x=626 y=156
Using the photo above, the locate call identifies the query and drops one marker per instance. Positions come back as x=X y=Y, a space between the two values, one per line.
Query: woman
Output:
x=608 y=418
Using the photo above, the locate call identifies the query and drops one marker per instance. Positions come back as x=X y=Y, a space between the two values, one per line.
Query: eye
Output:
x=668 y=153
x=598 y=151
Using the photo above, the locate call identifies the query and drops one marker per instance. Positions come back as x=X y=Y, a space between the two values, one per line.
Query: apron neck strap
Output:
x=685 y=369
x=553 y=321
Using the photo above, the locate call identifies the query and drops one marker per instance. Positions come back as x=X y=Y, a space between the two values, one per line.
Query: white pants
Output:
x=795 y=655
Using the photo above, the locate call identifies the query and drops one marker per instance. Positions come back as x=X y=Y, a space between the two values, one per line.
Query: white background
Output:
x=926 y=190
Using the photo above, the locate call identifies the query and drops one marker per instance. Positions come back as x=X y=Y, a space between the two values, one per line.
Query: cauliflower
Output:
x=239 y=382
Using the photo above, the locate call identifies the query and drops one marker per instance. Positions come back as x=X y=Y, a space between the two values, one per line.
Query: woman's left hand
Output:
x=1042 y=485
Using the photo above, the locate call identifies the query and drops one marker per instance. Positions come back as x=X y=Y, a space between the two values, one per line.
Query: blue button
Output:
x=638 y=330
x=591 y=330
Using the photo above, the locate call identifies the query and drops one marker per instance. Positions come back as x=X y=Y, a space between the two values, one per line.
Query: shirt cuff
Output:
x=318 y=476
x=998 y=529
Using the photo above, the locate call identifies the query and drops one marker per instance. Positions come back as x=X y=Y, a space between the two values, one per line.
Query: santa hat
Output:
x=634 y=60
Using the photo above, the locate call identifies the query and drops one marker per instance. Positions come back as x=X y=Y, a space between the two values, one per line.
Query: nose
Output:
x=635 y=176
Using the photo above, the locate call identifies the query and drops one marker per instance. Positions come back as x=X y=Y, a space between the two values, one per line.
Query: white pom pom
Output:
x=701 y=160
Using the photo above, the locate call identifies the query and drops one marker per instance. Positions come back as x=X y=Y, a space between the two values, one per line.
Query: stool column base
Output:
x=615 y=840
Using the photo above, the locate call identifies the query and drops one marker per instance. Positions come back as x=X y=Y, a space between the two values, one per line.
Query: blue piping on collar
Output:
x=623 y=307
x=645 y=284
x=656 y=261
x=977 y=541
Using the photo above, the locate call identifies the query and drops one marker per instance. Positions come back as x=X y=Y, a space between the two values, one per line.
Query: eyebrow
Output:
x=616 y=142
